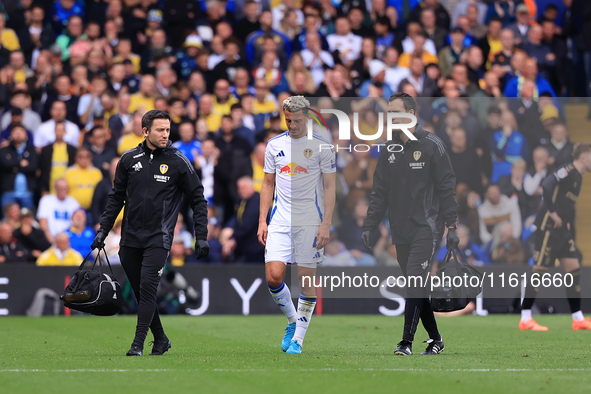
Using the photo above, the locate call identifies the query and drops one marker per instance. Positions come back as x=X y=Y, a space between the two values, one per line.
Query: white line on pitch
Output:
x=309 y=370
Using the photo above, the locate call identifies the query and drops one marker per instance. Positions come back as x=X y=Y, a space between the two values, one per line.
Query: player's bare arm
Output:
x=329 y=203
x=266 y=199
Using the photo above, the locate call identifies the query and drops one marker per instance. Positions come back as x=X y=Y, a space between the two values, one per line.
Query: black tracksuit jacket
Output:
x=150 y=184
x=417 y=186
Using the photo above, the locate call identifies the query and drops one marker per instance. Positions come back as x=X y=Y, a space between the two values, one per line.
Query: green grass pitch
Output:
x=342 y=354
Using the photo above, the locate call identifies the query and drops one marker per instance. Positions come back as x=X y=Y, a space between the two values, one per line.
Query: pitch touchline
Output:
x=309 y=370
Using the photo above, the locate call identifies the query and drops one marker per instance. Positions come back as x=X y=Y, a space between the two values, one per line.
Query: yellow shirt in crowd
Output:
x=135 y=60
x=82 y=183
x=52 y=256
x=257 y=175
x=137 y=101
x=428 y=58
x=59 y=164
x=128 y=141
x=9 y=40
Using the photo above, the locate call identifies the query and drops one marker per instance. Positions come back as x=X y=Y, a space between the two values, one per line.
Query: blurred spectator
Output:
x=435 y=33
x=559 y=147
x=443 y=19
x=377 y=72
x=80 y=233
x=133 y=134
x=18 y=165
x=63 y=11
x=501 y=61
x=143 y=100
x=337 y=256
x=250 y=22
x=30 y=235
x=512 y=185
x=337 y=85
x=90 y=103
x=60 y=253
x=233 y=163
x=419 y=51
x=507 y=146
x=226 y=69
x=527 y=113
x=425 y=86
x=560 y=77
x=315 y=58
x=408 y=45
x=255 y=40
x=102 y=154
x=124 y=52
x=478 y=30
x=74 y=31
x=55 y=210
x=344 y=45
x=540 y=52
x=464 y=161
x=46 y=133
x=63 y=92
x=497 y=209
x=83 y=177
x=504 y=9
x=155 y=50
x=101 y=192
x=384 y=37
x=453 y=54
x=11 y=249
x=120 y=119
x=394 y=73
x=187 y=144
x=490 y=43
x=507 y=248
x=11 y=212
x=461 y=8
x=350 y=234
x=244 y=241
x=521 y=26
x=30 y=119
x=534 y=177
x=55 y=158
x=529 y=72
x=468 y=202
x=8 y=37
x=270 y=72
x=359 y=177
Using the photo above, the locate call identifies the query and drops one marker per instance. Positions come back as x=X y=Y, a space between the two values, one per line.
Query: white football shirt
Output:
x=299 y=185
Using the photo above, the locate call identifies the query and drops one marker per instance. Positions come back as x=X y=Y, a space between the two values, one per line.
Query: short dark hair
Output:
x=580 y=148
x=496 y=19
x=95 y=128
x=171 y=101
x=407 y=100
x=148 y=118
x=235 y=106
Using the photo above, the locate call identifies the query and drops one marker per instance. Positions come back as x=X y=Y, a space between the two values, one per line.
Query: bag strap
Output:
x=100 y=263
x=446 y=259
x=84 y=261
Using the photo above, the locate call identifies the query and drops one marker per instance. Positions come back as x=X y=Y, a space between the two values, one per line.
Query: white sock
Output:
x=282 y=297
x=306 y=306
x=578 y=316
x=525 y=314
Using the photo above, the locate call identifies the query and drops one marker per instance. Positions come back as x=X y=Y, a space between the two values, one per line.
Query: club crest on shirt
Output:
x=308 y=153
x=163 y=168
x=416 y=155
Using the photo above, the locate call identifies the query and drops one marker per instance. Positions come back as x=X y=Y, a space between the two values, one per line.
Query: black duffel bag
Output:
x=448 y=295
x=93 y=291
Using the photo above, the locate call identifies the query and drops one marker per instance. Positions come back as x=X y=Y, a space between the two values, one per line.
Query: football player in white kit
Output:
x=300 y=176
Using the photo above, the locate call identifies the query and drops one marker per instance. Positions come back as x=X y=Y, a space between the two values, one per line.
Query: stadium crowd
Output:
x=77 y=75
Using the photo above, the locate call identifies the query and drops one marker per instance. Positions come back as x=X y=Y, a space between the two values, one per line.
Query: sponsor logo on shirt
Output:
x=161 y=178
x=293 y=169
x=163 y=168
x=137 y=166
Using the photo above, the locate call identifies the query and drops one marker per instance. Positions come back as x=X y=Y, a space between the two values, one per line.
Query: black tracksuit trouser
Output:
x=143 y=267
x=415 y=260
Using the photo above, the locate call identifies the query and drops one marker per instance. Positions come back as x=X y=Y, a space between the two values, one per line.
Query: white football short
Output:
x=293 y=245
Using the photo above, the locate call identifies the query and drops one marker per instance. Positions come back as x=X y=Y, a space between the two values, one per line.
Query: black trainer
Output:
x=434 y=347
x=160 y=347
x=135 y=351
x=404 y=348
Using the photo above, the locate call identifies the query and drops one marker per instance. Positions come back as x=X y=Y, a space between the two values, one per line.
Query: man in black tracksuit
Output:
x=149 y=181
x=417 y=187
